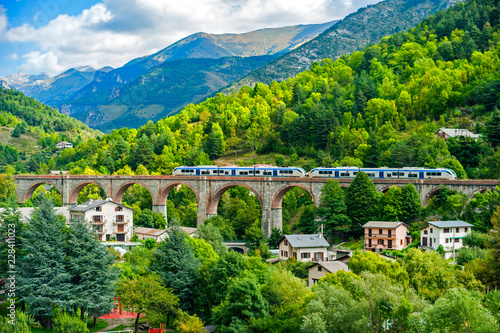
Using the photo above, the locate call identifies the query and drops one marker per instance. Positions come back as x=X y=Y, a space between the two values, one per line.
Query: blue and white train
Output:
x=236 y=171
x=385 y=173
x=321 y=172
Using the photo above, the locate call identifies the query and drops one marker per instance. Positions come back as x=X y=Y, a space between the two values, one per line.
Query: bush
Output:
x=23 y=323
x=468 y=254
x=65 y=323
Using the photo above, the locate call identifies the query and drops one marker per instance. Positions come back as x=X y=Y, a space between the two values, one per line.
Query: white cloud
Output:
x=116 y=31
x=3 y=20
x=13 y=56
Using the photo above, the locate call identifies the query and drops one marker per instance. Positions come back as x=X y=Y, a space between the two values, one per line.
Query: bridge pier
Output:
x=277 y=214
x=160 y=209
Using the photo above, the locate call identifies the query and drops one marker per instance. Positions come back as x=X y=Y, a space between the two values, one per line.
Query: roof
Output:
x=88 y=205
x=149 y=231
x=453 y=132
x=313 y=240
x=450 y=224
x=383 y=224
x=332 y=266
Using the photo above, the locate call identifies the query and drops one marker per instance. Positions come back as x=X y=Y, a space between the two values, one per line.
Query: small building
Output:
x=109 y=219
x=381 y=235
x=158 y=235
x=343 y=255
x=321 y=268
x=447 y=133
x=446 y=233
x=64 y=145
x=303 y=247
x=58 y=172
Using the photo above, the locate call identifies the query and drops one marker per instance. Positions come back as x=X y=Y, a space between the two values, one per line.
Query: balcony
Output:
x=385 y=236
x=124 y=231
x=379 y=246
x=126 y=221
x=100 y=232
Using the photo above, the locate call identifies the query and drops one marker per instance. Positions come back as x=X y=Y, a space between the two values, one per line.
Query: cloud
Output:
x=3 y=20
x=13 y=56
x=116 y=31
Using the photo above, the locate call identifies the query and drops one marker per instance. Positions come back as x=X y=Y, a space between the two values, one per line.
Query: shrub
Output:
x=65 y=323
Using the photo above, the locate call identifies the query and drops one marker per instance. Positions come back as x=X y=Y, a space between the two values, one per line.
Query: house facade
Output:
x=321 y=268
x=449 y=234
x=109 y=220
x=381 y=235
x=305 y=248
x=64 y=145
x=446 y=133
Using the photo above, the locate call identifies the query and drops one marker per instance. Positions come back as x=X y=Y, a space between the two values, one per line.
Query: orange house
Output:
x=380 y=235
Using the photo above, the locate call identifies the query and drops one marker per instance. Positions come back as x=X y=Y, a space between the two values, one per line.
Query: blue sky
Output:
x=54 y=35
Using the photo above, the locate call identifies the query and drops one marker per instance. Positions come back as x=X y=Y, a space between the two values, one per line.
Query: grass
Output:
x=353 y=245
x=99 y=326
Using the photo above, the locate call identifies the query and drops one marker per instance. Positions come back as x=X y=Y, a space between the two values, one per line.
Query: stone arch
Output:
x=215 y=198
x=118 y=195
x=480 y=190
x=280 y=194
x=31 y=189
x=73 y=194
x=163 y=195
x=386 y=188
x=429 y=195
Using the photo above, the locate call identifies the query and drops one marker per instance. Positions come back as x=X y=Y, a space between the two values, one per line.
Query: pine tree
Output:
x=11 y=231
x=493 y=129
x=142 y=153
x=176 y=264
x=215 y=145
x=411 y=205
x=332 y=208
x=91 y=268
x=373 y=159
x=43 y=281
x=361 y=199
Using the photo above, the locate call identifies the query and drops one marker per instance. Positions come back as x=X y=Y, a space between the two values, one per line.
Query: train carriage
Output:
x=237 y=171
x=384 y=173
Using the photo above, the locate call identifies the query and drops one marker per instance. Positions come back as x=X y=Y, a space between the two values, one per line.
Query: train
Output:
x=320 y=172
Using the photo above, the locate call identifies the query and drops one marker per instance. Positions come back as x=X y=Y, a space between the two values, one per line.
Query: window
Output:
x=369 y=232
x=268 y=173
x=119 y=218
x=97 y=218
x=121 y=228
x=431 y=230
x=118 y=208
x=446 y=240
x=425 y=232
x=315 y=281
x=370 y=243
x=371 y=174
x=205 y=172
x=457 y=240
x=320 y=269
x=286 y=254
x=401 y=242
x=285 y=242
x=465 y=229
x=380 y=241
x=215 y=171
x=344 y=174
x=257 y=172
x=380 y=231
x=98 y=209
x=120 y=237
x=446 y=231
x=412 y=175
x=458 y=230
x=282 y=253
x=305 y=255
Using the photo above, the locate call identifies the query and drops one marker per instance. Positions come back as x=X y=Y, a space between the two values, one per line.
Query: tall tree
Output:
x=141 y=153
x=373 y=159
x=176 y=263
x=411 y=206
x=210 y=233
x=332 y=208
x=90 y=265
x=360 y=199
x=44 y=282
x=215 y=144
x=492 y=130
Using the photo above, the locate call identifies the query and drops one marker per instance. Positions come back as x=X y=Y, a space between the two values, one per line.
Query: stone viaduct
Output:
x=209 y=190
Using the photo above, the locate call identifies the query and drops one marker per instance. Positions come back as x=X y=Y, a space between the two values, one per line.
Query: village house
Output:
x=303 y=247
x=110 y=220
x=449 y=234
x=321 y=268
x=381 y=236
x=64 y=145
x=447 y=133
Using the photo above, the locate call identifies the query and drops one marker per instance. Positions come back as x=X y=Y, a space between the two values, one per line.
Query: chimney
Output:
x=91 y=201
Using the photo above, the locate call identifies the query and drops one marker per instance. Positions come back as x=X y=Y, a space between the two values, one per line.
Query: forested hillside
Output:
x=377 y=107
x=30 y=130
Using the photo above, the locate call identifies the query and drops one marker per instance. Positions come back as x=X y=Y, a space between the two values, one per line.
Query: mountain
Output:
x=367 y=26
x=106 y=87
x=161 y=91
x=53 y=90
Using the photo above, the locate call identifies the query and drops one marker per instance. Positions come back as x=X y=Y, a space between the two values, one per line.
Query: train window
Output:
x=330 y=172
x=438 y=173
x=371 y=174
x=192 y=171
x=320 y=172
x=412 y=175
x=227 y=173
x=182 y=171
x=257 y=172
x=243 y=173
x=215 y=171
x=394 y=173
x=205 y=172
x=355 y=173
x=388 y=175
x=344 y=174
x=268 y=173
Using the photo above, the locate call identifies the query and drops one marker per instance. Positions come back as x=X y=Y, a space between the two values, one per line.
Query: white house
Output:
x=446 y=233
x=109 y=219
x=321 y=268
x=64 y=145
x=447 y=133
x=303 y=247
